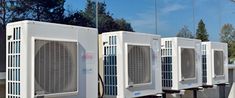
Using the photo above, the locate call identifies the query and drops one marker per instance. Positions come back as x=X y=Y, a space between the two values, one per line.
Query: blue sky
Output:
x=171 y=14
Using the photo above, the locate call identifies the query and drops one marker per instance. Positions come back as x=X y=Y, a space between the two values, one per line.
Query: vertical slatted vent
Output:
x=110 y=66
x=204 y=64
x=55 y=67
x=139 y=66
x=166 y=56
x=13 y=67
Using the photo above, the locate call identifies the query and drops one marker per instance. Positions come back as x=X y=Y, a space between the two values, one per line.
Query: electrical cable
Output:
x=102 y=83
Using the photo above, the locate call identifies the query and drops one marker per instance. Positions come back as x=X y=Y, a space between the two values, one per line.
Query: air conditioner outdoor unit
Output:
x=214 y=63
x=51 y=60
x=181 y=63
x=130 y=64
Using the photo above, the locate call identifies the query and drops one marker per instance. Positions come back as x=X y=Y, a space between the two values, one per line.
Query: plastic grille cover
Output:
x=187 y=63
x=139 y=64
x=55 y=67
x=218 y=63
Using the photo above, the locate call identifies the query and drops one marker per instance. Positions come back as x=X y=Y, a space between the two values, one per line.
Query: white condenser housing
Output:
x=47 y=60
x=181 y=63
x=130 y=64
x=214 y=63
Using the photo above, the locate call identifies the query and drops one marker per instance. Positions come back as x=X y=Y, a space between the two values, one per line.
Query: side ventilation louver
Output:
x=204 y=64
x=166 y=56
x=13 y=67
x=110 y=66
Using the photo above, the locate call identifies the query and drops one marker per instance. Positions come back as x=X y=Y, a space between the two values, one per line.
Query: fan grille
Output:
x=55 y=67
x=218 y=63
x=138 y=64
x=187 y=63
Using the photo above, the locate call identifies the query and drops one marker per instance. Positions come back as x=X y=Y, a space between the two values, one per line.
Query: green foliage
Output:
x=106 y=22
x=124 y=25
x=78 y=19
x=43 y=10
x=227 y=35
x=53 y=11
x=185 y=32
x=8 y=10
x=201 y=32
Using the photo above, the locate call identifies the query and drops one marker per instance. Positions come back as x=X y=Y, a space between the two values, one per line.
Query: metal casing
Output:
x=114 y=45
x=21 y=38
x=177 y=75
x=208 y=53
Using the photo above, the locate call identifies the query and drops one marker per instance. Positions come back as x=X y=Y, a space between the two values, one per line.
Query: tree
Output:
x=43 y=10
x=106 y=22
x=185 y=32
x=15 y=10
x=78 y=19
x=124 y=25
x=201 y=31
x=8 y=10
x=227 y=35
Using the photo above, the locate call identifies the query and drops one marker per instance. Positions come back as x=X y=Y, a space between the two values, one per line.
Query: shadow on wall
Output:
x=2 y=91
x=2 y=51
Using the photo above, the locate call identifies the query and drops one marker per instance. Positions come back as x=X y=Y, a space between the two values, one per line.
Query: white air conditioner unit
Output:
x=181 y=63
x=130 y=64
x=214 y=63
x=51 y=60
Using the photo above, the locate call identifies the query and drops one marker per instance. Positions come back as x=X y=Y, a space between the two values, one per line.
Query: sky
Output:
x=168 y=16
